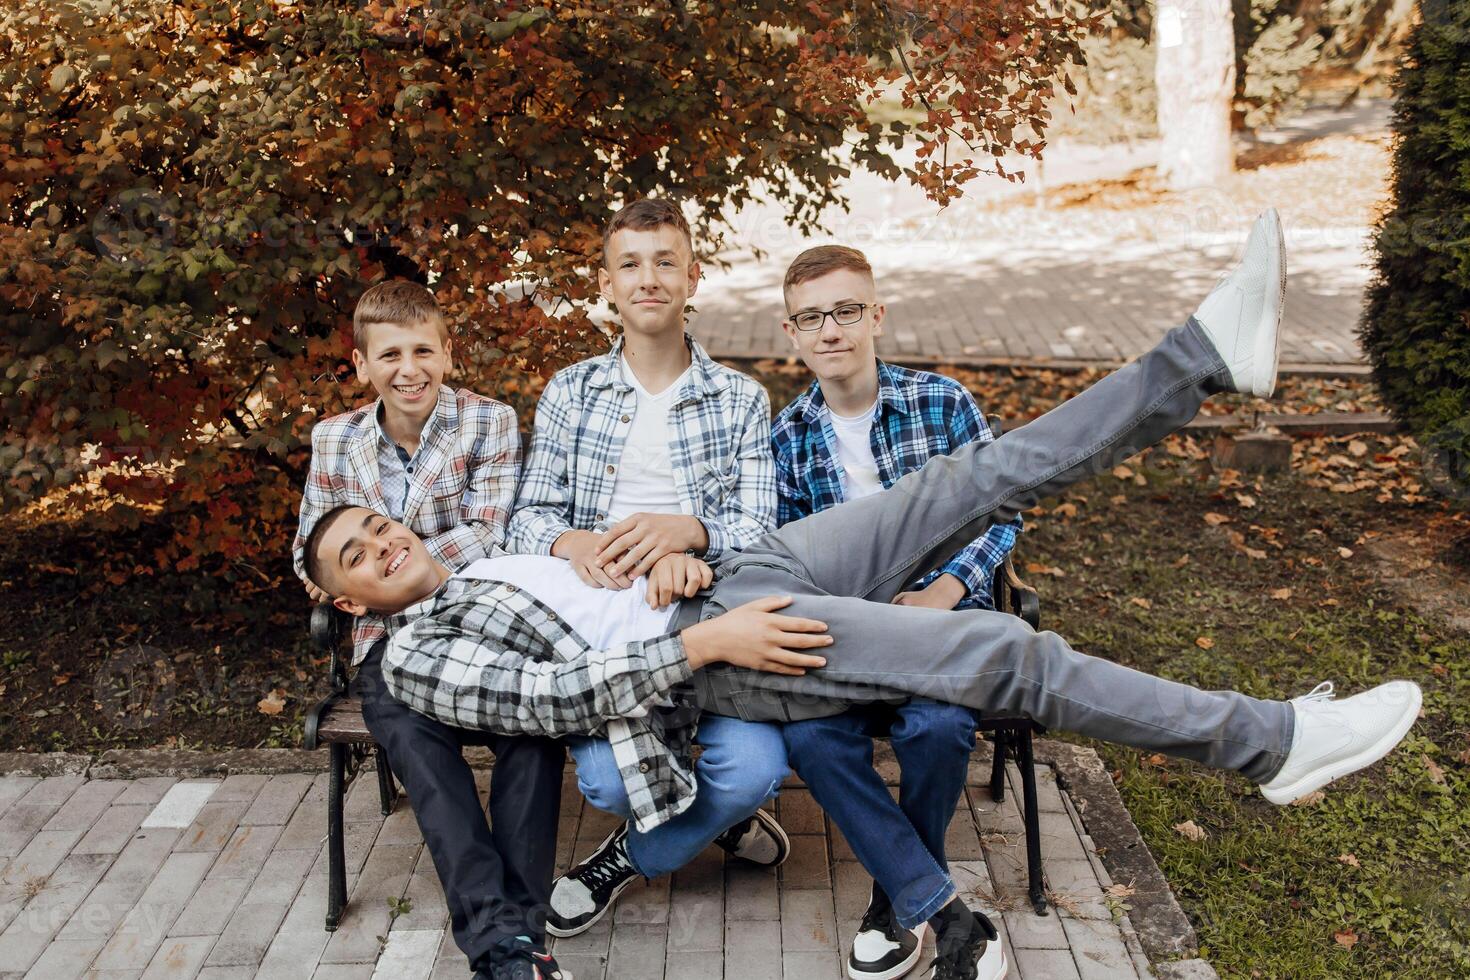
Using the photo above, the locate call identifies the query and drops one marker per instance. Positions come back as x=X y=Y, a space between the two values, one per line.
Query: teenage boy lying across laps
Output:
x=444 y=463
x=654 y=460
x=859 y=427
x=520 y=644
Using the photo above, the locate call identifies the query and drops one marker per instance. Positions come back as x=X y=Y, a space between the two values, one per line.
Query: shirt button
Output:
x=602 y=517
x=627 y=418
x=642 y=767
x=611 y=468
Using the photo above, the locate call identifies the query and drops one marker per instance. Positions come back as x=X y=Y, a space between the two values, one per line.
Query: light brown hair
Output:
x=815 y=263
x=645 y=215
x=396 y=301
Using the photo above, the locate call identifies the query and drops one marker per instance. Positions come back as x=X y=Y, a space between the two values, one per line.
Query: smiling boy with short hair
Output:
x=443 y=463
x=654 y=460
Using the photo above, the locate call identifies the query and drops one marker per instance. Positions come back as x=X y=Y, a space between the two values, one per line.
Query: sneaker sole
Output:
x=783 y=842
x=1314 y=781
x=893 y=972
x=612 y=900
x=1268 y=337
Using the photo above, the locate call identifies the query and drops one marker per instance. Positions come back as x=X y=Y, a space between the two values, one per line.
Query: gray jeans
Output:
x=844 y=565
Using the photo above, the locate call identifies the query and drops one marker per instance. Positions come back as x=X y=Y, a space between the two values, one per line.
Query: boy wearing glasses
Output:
x=861 y=426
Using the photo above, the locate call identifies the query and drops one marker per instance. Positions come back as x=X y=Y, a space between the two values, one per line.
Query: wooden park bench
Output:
x=336 y=722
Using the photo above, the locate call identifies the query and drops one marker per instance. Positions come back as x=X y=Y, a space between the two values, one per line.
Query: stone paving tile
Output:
x=246 y=936
x=409 y=955
x=213 y=827
x=84 y=806
x=752 y=950
x=149 y=789
x=277 y=799
x=179 y=958
x=64 y=960
x=181 y=804
x=211 y=907
x=247 y=850
x=367 y=917
x=113 y=829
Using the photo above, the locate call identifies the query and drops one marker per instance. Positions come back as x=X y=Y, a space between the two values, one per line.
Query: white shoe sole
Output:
x=894 y=972
x=1315 y=780
x=1268 y=337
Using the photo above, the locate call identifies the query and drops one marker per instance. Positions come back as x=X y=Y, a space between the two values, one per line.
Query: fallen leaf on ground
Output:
x=1245 y=500
x=1120 y=890
x=1347 y=939
x=1350 y=860
x=1436 y=772
x=1141 y=602
x=1204 y=642
x=1215 y=520
x=1311 y=799
x=1345 y=552
x=1036 y=568
x=1283 y=593
x=1122 y=472
x=1191 y=830
x=1358 y=448
x=272 y=703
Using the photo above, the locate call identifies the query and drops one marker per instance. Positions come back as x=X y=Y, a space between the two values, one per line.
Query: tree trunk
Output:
x=1194 y=41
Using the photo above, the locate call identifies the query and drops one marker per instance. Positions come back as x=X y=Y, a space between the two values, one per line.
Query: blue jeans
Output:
x=742 y=766
x=900 y=844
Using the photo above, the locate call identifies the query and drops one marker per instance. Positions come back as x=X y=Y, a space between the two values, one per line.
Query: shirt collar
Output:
x=396 y=621
x=891 y=395
x=704 y=377
x=446 y=413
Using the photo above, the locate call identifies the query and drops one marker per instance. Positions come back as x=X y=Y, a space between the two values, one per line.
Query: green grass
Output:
x=1267 y=889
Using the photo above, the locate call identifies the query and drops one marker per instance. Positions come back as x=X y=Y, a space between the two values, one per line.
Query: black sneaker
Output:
x=525 y=961
x=883 y=949
x=966 y=946
x=583 y=895
x=758 y=839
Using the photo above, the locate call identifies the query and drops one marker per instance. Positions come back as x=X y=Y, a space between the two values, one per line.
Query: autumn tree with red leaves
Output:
x=193 y=193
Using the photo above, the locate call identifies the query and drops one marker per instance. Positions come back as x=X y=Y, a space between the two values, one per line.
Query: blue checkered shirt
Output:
x=720 y=421
x=919 y=415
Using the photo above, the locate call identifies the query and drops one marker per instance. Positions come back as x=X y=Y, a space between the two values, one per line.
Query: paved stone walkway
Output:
x=993 y=279
x=164 y=878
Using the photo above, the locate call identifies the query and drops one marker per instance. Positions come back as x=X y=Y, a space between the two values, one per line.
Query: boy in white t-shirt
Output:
x=653 y=460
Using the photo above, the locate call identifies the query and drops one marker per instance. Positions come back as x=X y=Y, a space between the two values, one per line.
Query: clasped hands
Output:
x=656 y=545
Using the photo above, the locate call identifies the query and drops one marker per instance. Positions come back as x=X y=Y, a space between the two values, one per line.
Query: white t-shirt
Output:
x=602 y=617
x=855 y=453
x=645 y=479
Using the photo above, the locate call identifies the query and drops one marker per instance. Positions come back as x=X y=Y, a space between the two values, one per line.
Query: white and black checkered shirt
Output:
x=487 y=655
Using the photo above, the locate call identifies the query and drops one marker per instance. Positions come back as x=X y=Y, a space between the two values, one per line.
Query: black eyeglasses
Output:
x=845 y=316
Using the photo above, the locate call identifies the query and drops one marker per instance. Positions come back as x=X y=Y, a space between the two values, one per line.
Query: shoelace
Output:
x=1322 y=692
x=730 y=839
x=880 y=917
x=607 y=869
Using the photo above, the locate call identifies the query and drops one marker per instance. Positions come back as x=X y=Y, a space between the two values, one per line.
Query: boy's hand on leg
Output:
x=580 y=548
x=677 y=576
x=945 y=592
x=634 y=545
x=755 y=636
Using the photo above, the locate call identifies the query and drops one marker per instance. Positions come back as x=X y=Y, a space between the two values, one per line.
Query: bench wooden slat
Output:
x=342 y=722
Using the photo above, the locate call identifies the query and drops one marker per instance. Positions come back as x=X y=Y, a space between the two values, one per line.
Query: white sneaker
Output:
x=1242 y=315
x=882 y=949
x=1334 y=738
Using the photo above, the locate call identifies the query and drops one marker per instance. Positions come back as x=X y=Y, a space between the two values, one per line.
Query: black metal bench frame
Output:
x=349 y=749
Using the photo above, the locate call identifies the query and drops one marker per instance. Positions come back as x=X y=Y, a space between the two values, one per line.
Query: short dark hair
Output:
x=397 y=301
x=313 y=561
x=816 y=262
x=645 y=215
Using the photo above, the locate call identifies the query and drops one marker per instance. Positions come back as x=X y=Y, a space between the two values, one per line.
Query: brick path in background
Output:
x=226 y=878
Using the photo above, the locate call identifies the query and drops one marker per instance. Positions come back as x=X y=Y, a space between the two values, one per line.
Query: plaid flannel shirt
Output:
x=919 y=415
x=458 y=500
x=487 y=655
x=721 y=454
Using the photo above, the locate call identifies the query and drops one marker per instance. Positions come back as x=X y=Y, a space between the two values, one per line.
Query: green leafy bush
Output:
x=1416 y=326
